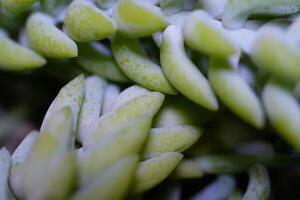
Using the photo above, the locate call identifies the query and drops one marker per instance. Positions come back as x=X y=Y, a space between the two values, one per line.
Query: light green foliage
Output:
x=182 y=73
x=237 y=11
x=113 y=184
x=45 y=38
x=138 y=18
x=283 y=111
x=206 y=35
x=51 y=160
x=273 y=52
x=235 y=93
x=168 y=139
x=153 y=171
x=85 y=22
x=97 y=59
x=15 y=7
x=70 y=95
x=17 y=162
x=128 y=141
x=137 y=66
x=144 y=106
x=91 y=105
x=10 y=50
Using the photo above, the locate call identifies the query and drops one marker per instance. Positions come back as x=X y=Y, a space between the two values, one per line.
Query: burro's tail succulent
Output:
x=161 y=90
x=82 y=153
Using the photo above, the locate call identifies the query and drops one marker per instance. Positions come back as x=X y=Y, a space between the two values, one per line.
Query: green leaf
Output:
x=91 y=105
x=235 y=93
x=169 y=139
x=178 y=110
x=47 y=39
x=237 y=11
x=182 y=73
x=10 y=50
x=283 y=111
x=15 y=7
x=138 y=67
x=128 y=95
x=113 y=147
x=138 y=18
x=206 y=35
x=112 y=91
x=17 y=162
x=143 y=106
x=97 y=59
x=71 y=95
x=86 y=23
x=112 y=184
x=153 y=171
x=275 y=54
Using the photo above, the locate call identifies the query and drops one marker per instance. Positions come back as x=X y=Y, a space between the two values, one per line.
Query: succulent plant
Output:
x=158 y=94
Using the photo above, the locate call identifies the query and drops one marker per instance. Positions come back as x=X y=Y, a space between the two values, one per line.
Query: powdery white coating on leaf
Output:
x=169 y=139
x=182 y=73
x=143 y=106
x=283 y=112
x=112 y=184
x=138 y=18
x=70 y=95
x=138 y=67
x=10 y=50
x=153 y=171
x=129 y=140
x=17 y=161
x=127 y=95
x=47 y=39
x=60 y=126
x=85 y=22
x=54 y=176
x=235 y=93
x=91 y=105
x=111 y=93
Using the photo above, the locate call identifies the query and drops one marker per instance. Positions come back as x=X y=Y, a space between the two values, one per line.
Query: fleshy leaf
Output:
x=235 y=93
x=47 y=39
x=91 y=105
x=112 y=184
x=97 y=59
x=182 y=73
x=283 y=111
x=169 y=139
x=153 y=171
x=138 y=18
x=86 y=23
x=137 y=67
x=10 y=50
x=70 y=95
